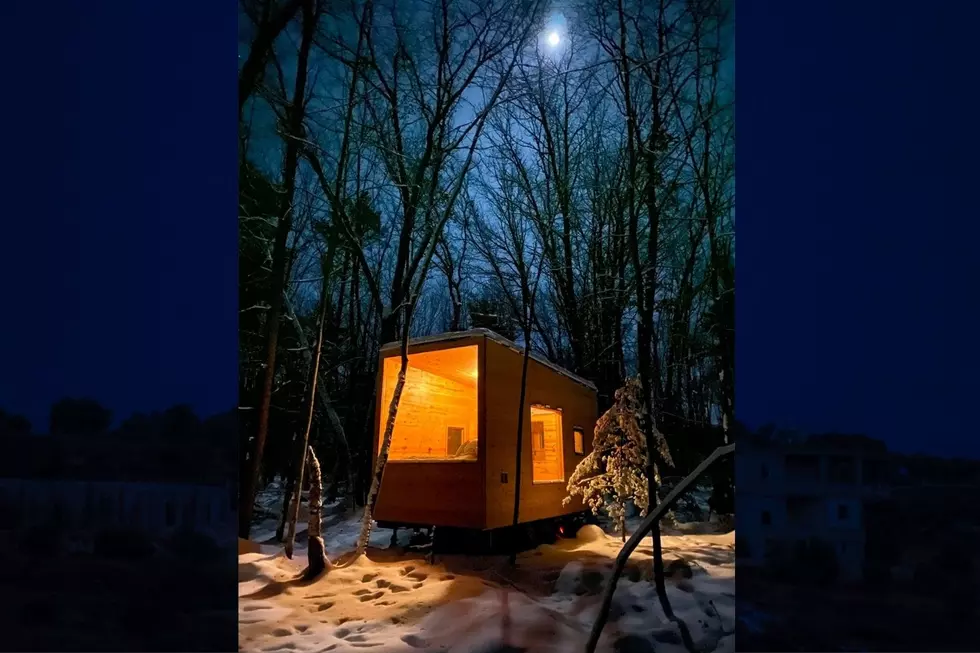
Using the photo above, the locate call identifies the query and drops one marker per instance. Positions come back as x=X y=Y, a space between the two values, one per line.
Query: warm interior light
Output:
x=437 y=413
x=547 y=458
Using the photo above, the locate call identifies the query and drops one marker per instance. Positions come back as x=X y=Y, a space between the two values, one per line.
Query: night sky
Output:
x=858 y=220
x=857 y=227
x=119 y=233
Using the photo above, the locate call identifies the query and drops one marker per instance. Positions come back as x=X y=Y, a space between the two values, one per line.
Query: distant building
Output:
x=791 y=492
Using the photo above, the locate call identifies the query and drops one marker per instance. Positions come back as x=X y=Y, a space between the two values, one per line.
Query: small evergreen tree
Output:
x=614 y=472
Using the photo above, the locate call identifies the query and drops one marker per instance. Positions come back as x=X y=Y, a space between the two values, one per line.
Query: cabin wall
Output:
x=502 y=395
x=431 y=493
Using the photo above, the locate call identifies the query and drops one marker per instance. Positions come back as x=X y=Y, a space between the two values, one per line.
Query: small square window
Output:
x=547 y=458
x=766 y=518
x=579 y=437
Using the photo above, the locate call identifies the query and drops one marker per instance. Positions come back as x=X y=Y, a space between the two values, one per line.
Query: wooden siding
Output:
x=545 y=387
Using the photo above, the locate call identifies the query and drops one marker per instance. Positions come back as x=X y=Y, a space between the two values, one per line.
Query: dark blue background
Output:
x=857 y=264
x=857 y=218
x=118 y=245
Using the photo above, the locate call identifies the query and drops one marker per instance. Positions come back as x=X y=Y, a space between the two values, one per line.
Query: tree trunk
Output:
x=314 y=377
x=316 y=550
x=372 y=498
x=278 y=281
x=379 y=467
x=258 y=53
x=286 y=500
x=326 y=403
x=520 y=439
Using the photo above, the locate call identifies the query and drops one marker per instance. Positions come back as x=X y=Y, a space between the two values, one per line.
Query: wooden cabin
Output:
x=452 y=461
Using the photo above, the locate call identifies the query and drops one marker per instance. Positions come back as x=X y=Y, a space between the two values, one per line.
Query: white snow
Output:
x=394 y=601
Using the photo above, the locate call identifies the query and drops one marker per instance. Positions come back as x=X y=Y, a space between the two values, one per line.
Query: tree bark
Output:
x=286 y=500
x=315 y=550
x=529 y=294
x=376 y=477
x=520 y=440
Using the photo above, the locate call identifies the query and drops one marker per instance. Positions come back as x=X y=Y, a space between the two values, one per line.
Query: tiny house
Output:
x=453 y=456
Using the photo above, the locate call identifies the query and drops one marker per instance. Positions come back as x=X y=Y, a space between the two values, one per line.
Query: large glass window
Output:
x=548 y=465
x=437 y=414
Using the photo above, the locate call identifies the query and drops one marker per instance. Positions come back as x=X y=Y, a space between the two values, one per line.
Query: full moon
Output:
x=554 y=39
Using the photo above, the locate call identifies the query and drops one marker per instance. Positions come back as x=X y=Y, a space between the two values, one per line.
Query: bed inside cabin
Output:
x=437 y=419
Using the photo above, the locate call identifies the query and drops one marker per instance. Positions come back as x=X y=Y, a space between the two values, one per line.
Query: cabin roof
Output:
x=499 y=339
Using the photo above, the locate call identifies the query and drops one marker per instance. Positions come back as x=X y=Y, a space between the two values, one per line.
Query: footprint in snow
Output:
x=281 y=632
x=368 y=578
x=372 y=597
x=253 y=608
x=407 y=570
x=362 y=592
x=414 y=641
x=324 y=606
x=397 y=588
x=382 y=583
x=418 y=575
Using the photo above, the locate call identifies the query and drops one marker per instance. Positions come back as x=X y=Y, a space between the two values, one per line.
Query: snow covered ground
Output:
x=394 y=601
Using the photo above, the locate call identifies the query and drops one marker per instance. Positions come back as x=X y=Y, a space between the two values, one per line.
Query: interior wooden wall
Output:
x=440 y=392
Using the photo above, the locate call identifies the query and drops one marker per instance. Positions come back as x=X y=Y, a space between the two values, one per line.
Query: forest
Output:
x=559 y=173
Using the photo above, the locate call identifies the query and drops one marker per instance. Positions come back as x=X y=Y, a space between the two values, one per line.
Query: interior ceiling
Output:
x=458 y=364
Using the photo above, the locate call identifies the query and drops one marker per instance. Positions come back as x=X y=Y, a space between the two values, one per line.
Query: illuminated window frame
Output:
x=578 y=440
x=560 y=439
x=469 y=432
